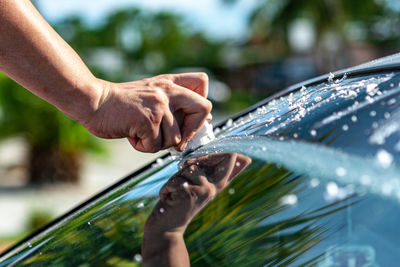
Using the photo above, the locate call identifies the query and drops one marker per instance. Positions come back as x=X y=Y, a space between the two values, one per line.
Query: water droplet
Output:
x=369 y=99
x=386 y=115
x=137 y=258
x=162 y=210
x=365 y=179
x=392 y=101
x=185 y=185
x=318 y=98
x=290 y=200
x=313 y=132
x=331 y=76
x=387 y=188
x=354 y=118
x=231 y=191
x=140 y=205
x=314 y=182
x=375 y=125
x=372 y=89
x=345 y=127
x=384 y=158
x=237 y=164
x=229 y=123
x=295 y=135
x=264 y=148
x=29 y=244
x=350 y=94
x=340 y=171
x=159 y=161
x=281 y=138
x=89 y=223
x=372 y=113
x=332 y=189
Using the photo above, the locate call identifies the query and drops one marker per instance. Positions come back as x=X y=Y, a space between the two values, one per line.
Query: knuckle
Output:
x=163 y=83
x=209 y=192
x=159 y=97
x=156 y=115
x=203 y=77
x=205 y=107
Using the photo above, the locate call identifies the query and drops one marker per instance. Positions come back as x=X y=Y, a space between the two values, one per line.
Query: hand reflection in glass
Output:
x=181 y=198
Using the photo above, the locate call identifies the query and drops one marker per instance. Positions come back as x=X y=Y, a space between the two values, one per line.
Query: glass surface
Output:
x=322 y=188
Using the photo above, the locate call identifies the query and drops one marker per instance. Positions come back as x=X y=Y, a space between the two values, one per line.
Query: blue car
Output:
x=310 y=176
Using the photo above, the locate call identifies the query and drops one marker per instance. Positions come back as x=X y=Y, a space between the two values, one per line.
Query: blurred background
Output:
x=250 y=49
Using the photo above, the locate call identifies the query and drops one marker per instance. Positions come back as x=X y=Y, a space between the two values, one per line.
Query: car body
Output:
x=323 y=187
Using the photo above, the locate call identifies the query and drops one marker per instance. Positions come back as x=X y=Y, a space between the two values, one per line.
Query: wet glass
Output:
x=322 y=188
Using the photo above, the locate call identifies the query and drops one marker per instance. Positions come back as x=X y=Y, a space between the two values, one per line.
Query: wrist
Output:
x=153 y=244
x=85 y=99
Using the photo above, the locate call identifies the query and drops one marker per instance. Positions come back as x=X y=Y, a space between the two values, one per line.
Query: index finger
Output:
x=195 y=108
x=195 y=81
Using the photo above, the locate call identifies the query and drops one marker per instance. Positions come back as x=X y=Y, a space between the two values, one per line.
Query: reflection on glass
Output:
x=181 y=198
x=262 y=217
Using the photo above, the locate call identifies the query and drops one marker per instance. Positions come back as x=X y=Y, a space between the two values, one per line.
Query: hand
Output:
x=191 y=189
x=181 y=198
x=147 y=111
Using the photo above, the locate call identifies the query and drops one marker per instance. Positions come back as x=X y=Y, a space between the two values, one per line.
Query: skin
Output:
x=181 y=198
x=153 y=113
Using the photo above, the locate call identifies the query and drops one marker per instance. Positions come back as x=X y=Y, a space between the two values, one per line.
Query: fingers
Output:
x=184 y=108
x=220 y=168
x=146 y=140
x=195 y=81
x=209 y=117
x=170 y=131
x=241 y=163
x=196 y=109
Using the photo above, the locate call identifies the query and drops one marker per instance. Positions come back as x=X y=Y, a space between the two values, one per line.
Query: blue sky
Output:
x=218 y=20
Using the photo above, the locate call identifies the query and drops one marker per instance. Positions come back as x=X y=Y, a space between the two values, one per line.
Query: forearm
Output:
x=164 y=250
x=36 y=57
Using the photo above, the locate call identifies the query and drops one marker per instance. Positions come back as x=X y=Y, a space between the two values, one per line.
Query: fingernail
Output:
x=177 y=139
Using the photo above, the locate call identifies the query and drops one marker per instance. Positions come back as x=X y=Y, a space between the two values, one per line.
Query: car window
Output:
x=322 y=189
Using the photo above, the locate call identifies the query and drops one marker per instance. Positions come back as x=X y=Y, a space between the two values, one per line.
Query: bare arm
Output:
x=36 y=57
x=166 y=249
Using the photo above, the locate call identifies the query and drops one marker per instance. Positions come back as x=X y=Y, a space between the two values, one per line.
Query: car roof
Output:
x=387 y=63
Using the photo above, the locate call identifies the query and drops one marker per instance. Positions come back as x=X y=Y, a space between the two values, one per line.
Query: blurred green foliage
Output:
x=40 y=123
x=139 y=43
x=54 y=141
x=372 y=21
